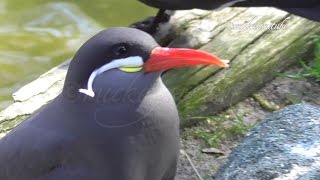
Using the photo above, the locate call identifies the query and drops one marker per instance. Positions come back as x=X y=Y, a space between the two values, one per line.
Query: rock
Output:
x=313 y=174
x=285 y=145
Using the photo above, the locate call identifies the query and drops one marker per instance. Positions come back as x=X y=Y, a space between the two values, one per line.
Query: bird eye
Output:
x=121 y=50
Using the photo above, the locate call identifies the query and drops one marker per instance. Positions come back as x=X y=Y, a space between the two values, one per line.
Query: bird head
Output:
x=126 y=52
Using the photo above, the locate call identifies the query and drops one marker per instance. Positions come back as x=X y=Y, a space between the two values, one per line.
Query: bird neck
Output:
x=120 y=89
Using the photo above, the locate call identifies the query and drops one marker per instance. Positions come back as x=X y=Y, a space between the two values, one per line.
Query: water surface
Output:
x=37 y=35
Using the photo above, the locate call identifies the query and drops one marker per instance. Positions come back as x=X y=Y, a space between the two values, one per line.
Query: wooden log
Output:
x=255 y=48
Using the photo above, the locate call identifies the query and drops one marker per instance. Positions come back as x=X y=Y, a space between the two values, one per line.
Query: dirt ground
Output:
x=277 y=94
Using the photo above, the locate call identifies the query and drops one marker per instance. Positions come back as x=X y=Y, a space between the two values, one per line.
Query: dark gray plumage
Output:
x=128 y=131
x=189 y=4
x=309 y=9
x=114 y=120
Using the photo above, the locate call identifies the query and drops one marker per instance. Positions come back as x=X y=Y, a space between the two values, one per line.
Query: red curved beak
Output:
x=168 y=58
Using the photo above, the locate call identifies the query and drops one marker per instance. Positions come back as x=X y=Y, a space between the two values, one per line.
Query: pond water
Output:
x=37 y=35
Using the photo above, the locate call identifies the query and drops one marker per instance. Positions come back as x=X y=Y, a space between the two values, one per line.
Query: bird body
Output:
x=309 y=13
x=64 y=141
x=190 y=4
x=309 y=9
x=114 y=120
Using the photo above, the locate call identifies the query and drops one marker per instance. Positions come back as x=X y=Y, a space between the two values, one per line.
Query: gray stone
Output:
x=313 y=174
x=285 y=145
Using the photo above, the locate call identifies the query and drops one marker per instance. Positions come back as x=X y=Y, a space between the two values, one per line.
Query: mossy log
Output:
x=257 y=41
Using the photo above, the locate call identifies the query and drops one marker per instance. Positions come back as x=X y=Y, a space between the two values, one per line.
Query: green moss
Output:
x=254 y=66
x=264 y=103
x=313 y=70
x=309 y=71
x=8 y=125
x=207 y=177
x=216 y=129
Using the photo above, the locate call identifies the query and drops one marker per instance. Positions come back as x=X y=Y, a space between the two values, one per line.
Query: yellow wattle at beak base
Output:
x=131 y=69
